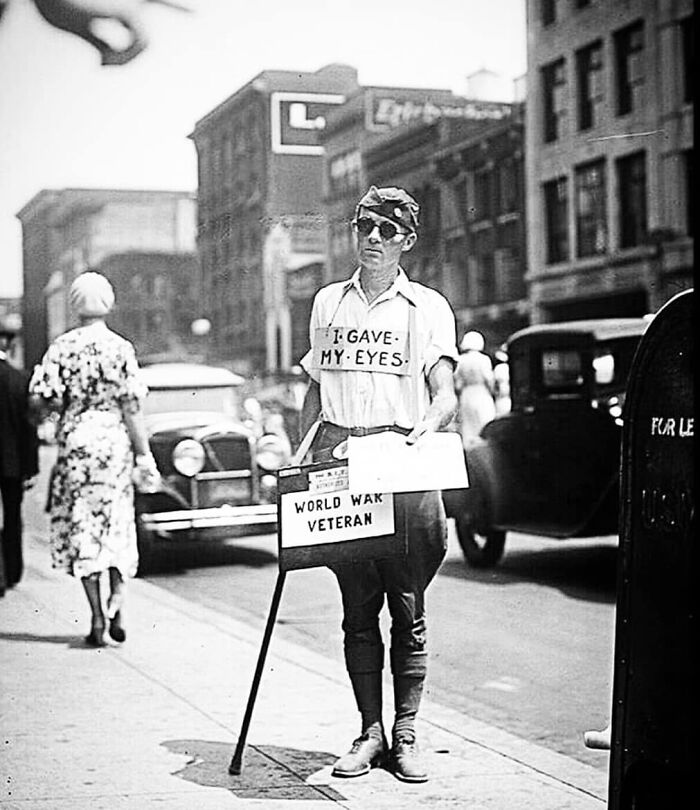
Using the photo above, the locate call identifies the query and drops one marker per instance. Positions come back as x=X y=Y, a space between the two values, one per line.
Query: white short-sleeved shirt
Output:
x=353 y=398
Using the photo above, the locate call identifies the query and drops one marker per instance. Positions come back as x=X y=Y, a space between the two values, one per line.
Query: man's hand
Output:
x=443 y=401
x=423 y=427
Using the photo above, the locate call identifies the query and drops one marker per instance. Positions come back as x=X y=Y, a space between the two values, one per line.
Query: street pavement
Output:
x=153 y=723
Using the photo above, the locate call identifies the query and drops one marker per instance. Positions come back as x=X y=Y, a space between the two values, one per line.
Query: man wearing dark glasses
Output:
x=394 y=373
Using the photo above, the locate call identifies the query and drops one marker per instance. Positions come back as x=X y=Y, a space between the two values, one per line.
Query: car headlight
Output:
x=271 y=452
x=614 y=407
x=188 y=457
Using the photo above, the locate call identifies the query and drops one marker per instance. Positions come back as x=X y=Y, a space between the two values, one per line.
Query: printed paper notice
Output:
x=328 y=480
x=383 y=462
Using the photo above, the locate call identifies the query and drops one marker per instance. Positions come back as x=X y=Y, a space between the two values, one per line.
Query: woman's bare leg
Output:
x=91 y=584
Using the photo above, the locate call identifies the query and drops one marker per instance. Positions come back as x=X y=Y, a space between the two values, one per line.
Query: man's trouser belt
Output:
x=328 y=429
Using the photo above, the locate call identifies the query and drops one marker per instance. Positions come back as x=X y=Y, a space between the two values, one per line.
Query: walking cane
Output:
x=237 y=761
x=236 y=765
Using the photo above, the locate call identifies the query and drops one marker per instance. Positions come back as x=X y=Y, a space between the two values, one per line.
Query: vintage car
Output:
x=217 y=463
x=550 y=466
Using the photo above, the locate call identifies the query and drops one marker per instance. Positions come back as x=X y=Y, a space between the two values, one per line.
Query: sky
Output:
x=68 y=122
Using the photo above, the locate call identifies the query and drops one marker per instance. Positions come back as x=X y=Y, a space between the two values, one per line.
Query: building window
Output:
x=629 y=60
x=228 y=159
x=483 y=270
x=204 y=169
x=508 y=186
x=553 y=90
x=345 y=172
x=340 y=235
x=507 y=262
x=431 y=209
x=689 y=188
x=591 y=219
x=632 y=188
x=556 y=213
x=548 y=9
x=159 y=288
x=687 y=55
x=457 y=270
x=589 y=74
x=216 y=155
x=582 y=3
x=483 y=196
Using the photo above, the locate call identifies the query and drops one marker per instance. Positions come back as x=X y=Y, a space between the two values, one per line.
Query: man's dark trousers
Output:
x=18 y=462
x=12 y=490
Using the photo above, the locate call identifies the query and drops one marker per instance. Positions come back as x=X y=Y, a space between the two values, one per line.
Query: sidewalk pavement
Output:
x=153 y=723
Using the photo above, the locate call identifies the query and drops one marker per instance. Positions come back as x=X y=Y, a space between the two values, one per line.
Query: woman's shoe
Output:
x=116 y=631
x=96 y=638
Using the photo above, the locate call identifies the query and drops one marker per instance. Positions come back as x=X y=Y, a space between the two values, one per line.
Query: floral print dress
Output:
x=93 y=374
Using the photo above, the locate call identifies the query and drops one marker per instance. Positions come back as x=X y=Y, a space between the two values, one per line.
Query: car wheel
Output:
x=480 y=550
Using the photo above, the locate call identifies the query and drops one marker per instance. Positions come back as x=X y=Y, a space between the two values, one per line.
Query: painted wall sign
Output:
x=343 y=348
x=387 y=112
x=297 y=118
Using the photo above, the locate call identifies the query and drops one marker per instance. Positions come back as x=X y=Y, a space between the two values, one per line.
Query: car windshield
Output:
x=562 y=369
x=220 y=399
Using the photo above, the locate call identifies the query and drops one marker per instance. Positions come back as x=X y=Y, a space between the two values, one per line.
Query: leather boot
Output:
x=405 y=760
x=369 y=750
x=367 y=688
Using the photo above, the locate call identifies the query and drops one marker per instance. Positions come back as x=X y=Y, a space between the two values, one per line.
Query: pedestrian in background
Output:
x=19 y=461
x=474 y=382
x=501 y=377
x=89 y=374
x=410 y=398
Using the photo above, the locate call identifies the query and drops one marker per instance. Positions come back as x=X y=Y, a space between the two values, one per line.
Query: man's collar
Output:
x=401 y=285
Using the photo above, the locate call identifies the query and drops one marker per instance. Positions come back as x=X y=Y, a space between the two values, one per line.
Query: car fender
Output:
x=484 y=498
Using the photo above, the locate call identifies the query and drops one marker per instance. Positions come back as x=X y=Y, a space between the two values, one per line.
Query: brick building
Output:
x=482 y=231
x=121 y=233
x=350 y=132
x=260 y=220
x=609 y=153
x=158 y=300
x=462 y=158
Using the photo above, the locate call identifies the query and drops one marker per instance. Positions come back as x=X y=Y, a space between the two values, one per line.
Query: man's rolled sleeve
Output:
x=443 y=342
x=314 y=322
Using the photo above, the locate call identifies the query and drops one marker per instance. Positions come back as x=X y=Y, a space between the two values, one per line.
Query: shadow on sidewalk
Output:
x=73 y=642
x=269 y=772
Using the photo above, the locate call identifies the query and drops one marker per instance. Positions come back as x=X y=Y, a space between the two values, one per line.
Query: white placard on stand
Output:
x=383 y=462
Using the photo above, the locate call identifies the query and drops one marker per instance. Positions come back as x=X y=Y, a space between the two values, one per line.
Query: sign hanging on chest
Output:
x=348 y=348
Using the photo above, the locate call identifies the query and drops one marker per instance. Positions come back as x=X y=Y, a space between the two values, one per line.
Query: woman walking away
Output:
x=474 y=383
x=89 y=376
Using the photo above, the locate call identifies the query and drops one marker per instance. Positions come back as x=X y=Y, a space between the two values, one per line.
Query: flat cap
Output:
x=392 y=203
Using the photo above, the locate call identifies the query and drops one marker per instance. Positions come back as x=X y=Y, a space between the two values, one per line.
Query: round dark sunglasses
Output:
x=387 y=230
